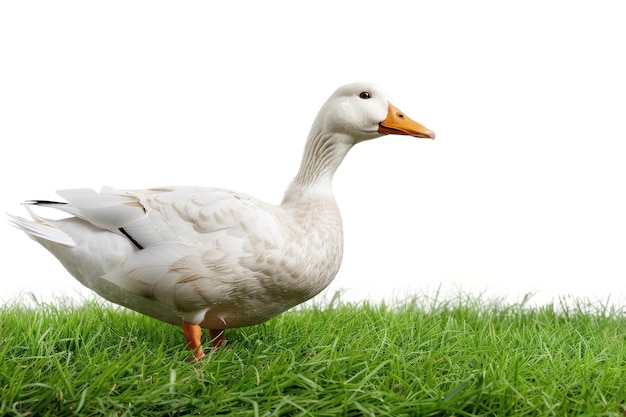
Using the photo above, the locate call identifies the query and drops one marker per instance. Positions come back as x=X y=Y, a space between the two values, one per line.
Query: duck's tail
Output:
x=40 y=228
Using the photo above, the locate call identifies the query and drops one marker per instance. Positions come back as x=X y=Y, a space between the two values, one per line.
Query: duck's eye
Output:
x=365 y=95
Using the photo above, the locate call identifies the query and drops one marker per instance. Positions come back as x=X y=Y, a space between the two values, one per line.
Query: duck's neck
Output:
x=323 y=154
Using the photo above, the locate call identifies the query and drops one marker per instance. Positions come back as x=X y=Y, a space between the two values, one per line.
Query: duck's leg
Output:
x=193 y=334
x=217 y=338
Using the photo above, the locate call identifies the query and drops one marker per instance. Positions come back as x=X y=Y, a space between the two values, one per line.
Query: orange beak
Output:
x=397 y=123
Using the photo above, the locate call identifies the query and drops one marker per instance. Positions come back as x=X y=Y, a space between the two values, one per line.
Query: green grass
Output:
x=424 y=358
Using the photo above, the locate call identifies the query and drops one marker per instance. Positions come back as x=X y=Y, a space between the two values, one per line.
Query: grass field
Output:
x=426 y=357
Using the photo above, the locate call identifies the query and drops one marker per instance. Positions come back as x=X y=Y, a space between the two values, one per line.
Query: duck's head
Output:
x=353 y=113
x=363 y=111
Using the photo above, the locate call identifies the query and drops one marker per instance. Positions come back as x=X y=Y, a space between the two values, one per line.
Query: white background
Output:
x=522 y=191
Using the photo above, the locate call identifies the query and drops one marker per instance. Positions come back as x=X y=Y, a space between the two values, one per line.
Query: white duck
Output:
x=214 y=258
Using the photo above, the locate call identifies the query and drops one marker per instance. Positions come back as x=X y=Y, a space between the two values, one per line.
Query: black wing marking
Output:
x=125 y=233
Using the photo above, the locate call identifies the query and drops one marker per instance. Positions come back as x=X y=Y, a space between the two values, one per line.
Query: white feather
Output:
x=41 y=228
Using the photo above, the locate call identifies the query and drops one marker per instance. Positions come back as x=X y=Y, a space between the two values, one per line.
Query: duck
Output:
x=212 y=258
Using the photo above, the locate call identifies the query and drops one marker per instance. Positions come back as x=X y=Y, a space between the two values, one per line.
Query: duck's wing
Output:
x=187 y=215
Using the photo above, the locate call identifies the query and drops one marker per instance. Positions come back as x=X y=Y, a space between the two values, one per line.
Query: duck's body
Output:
x=215 y=258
